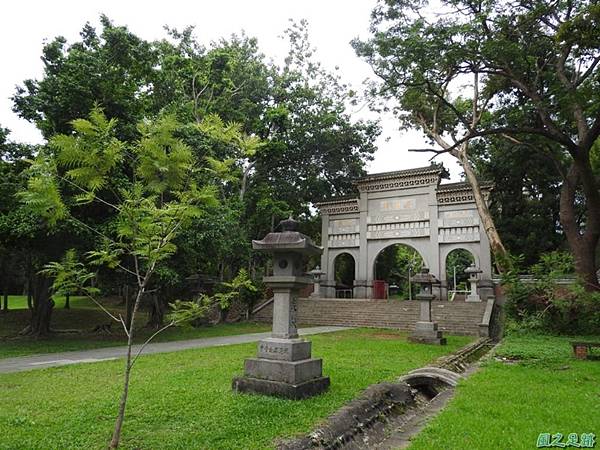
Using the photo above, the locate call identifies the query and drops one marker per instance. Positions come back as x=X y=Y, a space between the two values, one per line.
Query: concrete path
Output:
x=23 y=363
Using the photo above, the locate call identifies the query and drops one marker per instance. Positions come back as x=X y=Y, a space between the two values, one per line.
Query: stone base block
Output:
x=291 y=372
x=427 y=333
x=426 y=327
x=284 y=349
x=427 y=339
x=473 y=298
x=280 y=389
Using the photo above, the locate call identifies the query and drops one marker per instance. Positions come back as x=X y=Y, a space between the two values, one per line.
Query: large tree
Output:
x=310 y=146
x=525 y=199
x=536 y=57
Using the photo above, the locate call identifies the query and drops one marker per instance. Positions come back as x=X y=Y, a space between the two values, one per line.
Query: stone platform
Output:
x=298 y=391
x=458 y=317
x=427 y=333
x=283 y=368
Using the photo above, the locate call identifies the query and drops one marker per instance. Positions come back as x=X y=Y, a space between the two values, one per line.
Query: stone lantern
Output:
x=316 y=273
x=426 y=330
x=473 y=273
x=283 y=366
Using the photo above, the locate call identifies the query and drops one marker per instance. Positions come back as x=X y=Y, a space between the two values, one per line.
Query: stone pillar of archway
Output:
x=326 y=260
x=363 y=279
x=434 y=246
x=486 y=285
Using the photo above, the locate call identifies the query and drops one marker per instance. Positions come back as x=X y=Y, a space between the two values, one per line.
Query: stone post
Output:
x=473 y=273
x=316 y=273
x=426 y=330
x=283 y=366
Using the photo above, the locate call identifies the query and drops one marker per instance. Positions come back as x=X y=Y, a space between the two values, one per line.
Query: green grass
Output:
x=66 y=342
x=20 y=302
x=184 y=400
x=539 y=387
x=84 y=315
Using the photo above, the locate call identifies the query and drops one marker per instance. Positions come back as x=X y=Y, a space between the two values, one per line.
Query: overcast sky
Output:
x=26 y=24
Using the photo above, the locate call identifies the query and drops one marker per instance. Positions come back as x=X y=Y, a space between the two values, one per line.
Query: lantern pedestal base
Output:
x=284 y=368
x=299 y=391
x=473 y=298
x=427 y=333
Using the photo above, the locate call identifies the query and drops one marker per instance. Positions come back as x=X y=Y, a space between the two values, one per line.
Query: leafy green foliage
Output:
x=345 y=269
x=91 y=154
x=526 y=195
x=111 y=68
x=163 y=160
x=148 y=212
x=266 y=140
x=553 y=300
x=393 y=265
x=239 y=288
x=185 y=312
x=70 y=276
x=42 y=195
x=496 y=74
x=456 y=263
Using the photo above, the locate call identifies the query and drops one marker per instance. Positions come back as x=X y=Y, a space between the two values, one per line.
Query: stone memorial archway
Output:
x=408 y=207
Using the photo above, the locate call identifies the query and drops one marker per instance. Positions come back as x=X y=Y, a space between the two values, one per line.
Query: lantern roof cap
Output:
x=286 y=240
x=316 y=271
x=473 y=269
x=424 y=276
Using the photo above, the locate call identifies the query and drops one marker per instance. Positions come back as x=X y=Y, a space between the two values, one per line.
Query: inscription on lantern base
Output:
x=284 y=349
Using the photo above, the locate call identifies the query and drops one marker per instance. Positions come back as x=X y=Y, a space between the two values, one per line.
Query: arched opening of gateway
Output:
x=396 y=265
x=456 y=263
x=344 y=269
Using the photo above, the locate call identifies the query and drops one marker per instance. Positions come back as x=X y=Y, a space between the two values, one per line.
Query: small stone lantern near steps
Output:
x=426 y=330
x=316 y=273
x=284 y=366
x=473 y=273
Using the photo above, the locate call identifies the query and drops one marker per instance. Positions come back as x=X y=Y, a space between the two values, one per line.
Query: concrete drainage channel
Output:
x=387 y=415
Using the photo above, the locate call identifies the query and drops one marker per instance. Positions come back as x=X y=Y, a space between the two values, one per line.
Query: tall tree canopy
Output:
x=312 y=145
x=536 y=57
x=270 y=138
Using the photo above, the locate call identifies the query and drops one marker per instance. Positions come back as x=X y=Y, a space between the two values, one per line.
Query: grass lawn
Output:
x=506 y=405
x=184 y=400
x=20 y=302
x=66 y=342
x=85 y=315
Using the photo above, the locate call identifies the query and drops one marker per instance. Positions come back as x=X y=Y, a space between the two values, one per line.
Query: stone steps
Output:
x=454 y=318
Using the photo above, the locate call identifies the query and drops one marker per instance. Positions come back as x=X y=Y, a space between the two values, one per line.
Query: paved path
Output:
x=23 y=363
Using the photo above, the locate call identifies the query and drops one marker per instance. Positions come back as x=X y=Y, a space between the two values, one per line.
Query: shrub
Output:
x=548 y=302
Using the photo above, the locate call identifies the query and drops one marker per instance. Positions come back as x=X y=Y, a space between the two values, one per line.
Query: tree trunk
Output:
x=29 y=293
x=116 y=437
x=129 y=300
x=498 y=249
x=67 y=301
x=223 y=314
x=42 y=308
x=157 y=313
x=5 y=308
x=582 y=245
x=122 y=295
